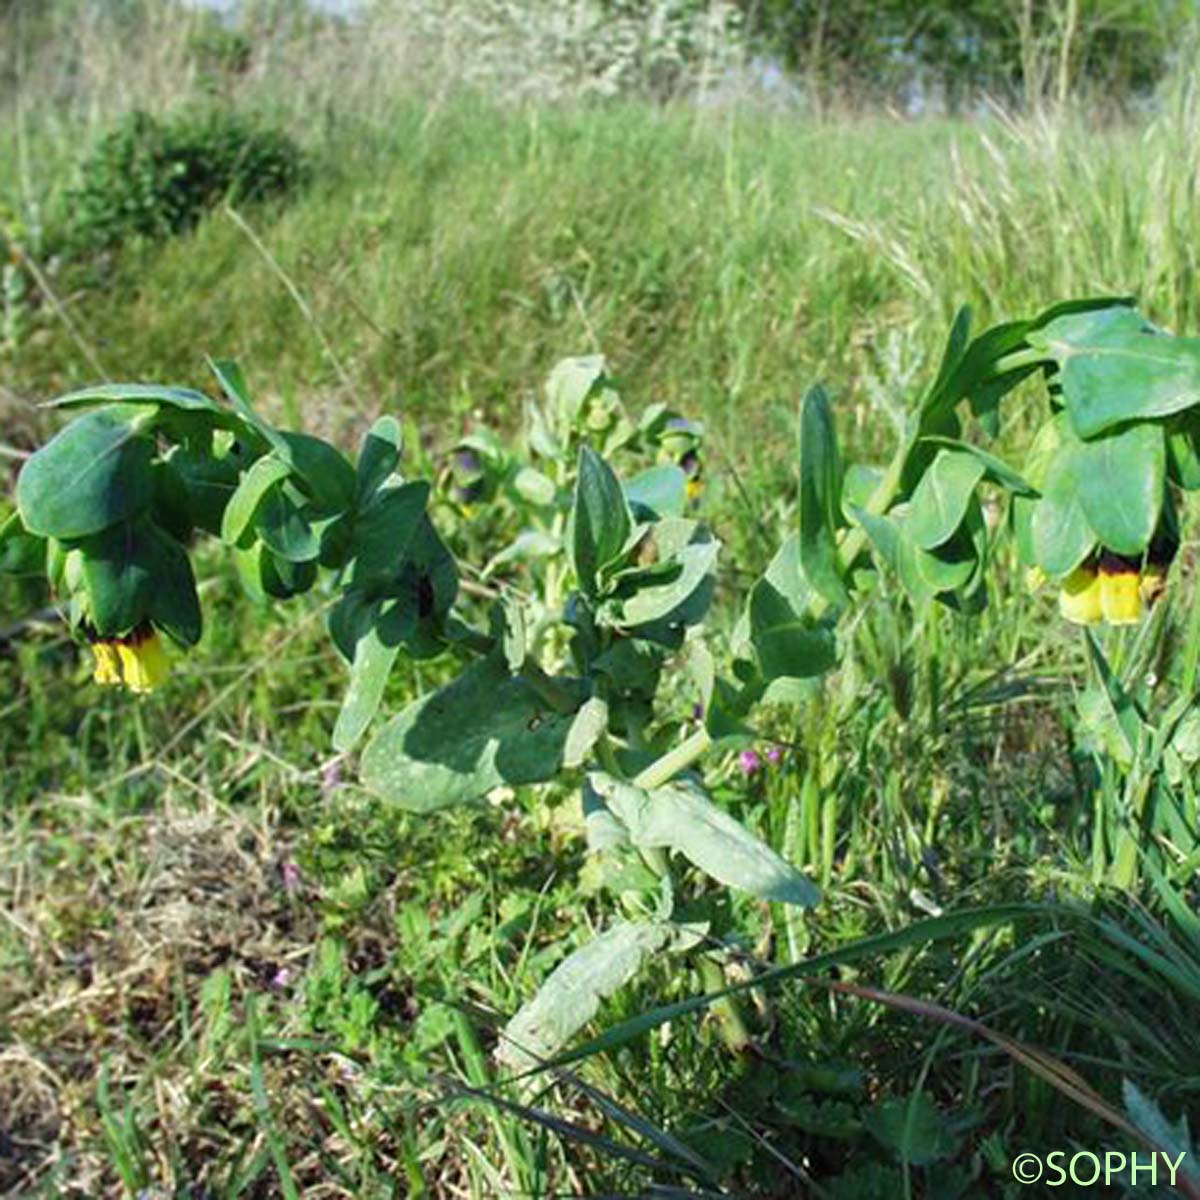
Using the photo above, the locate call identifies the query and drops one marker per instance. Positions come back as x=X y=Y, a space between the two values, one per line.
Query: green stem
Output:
x=729 y=1015
x=670 y=764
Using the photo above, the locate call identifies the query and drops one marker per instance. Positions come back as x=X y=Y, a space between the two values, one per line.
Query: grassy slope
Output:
x=722 y=260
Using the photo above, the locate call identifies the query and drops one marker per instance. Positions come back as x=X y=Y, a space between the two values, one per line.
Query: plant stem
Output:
x=674 y=761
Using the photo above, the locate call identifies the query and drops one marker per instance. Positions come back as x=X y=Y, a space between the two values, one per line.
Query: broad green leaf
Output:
x=1119 y=479
x=385 y=531
x=134 y=571
x=995 y=470
x=1116 y=367
x=185 y=400
x=788 y=642
x=378 y=457
x=571 y=383
x=657 y=493
x=330 y=479
x=374 y=654
x=940 y=500
x=263 y=475
x=90 y=475
x=694 y=550
x=859 y=484
x=571 y=995
x=600 y=520
x=484 y=729
x=210 y=480
x=1062 y=536
x=284 y=529
x=682 y=818
x=882 y=532
x=950 y=567
x=820 y=496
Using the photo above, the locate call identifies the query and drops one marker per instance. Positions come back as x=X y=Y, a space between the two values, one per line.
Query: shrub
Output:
x=153 y=178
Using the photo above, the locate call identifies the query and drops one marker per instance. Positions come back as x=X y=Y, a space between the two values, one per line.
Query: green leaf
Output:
x=600 y=520
x=681 y=817
x=210 y=481
x=284 y=529
x=657 y=493
x=233 y=384
x=378 y=457
x=385 y=532
x=1119 y=479
x=571 y=995
x=691 y=548
x=1062 y=536
x=263 y=475
x=941 y=396
x=330 y=479
x=1183 y=450
x=21 y=553
x=995 y=470
x=915 y=1130
x=90 y=475
x=484 y=729
x=1116 y=367
x=820 y=496
x=940 y=500
x=571 y=383
x=788 y=642
x=133 y=572
x=181 y=400
x=390 y=623
x=948 y=568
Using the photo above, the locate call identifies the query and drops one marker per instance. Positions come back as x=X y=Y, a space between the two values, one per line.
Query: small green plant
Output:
x=153 y=178
x=582 y=653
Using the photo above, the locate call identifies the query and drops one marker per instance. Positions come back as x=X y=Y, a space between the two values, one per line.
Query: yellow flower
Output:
x=137 y=660
x=108 y=665
x=143 y=661
x=1080 y=599
x=1120 y=594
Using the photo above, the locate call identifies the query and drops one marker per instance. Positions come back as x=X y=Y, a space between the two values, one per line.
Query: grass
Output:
x=226 y=971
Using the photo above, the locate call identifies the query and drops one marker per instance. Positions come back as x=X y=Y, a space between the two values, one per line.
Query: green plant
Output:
x=153 y=178
x=590 y=663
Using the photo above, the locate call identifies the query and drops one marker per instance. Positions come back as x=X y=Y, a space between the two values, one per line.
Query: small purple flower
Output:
x=331 y=777
x=291 y=876
x=697 y=712
x=775 y=755
x=281 y=978
x=749 y=761
x=467 y=461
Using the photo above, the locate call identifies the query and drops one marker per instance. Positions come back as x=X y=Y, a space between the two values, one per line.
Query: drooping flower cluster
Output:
x=1116 y=589
x=137 y=660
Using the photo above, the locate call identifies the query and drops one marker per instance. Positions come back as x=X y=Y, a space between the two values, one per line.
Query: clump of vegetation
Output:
x=152 y=178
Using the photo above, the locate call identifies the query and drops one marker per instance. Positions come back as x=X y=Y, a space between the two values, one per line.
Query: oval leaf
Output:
x=90 y=475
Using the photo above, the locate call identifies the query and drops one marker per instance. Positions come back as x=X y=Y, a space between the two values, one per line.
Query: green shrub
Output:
x=153 y=178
